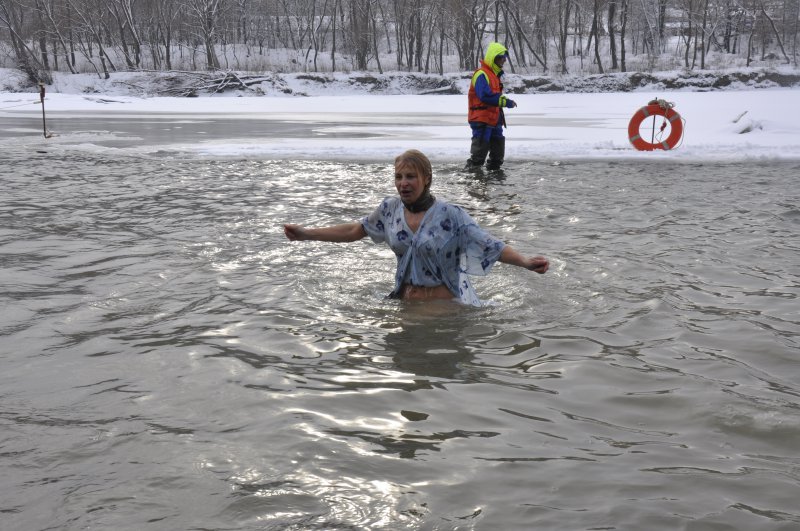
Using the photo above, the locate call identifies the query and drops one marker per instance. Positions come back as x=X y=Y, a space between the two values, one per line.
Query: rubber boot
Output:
x=478 y=151
x=497 y=152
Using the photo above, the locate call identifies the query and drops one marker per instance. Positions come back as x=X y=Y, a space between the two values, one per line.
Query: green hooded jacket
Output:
x=492 y=51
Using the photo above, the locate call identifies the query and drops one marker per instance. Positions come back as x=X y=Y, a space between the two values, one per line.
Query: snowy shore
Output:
x=351 y=123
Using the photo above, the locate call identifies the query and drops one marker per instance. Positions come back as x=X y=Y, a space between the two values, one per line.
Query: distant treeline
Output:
x=551 y=36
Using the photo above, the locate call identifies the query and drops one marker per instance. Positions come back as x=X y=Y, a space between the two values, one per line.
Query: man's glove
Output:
x=505 y=102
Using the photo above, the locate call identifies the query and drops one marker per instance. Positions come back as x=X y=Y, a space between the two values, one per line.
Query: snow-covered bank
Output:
x=719 y=125
x=148 y=84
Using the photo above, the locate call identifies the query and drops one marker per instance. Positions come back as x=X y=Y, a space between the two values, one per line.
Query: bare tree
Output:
x=419 y=34
x=775 y=31
x=564 y=14
x=703 y=37
x=12 y=15
x=48 y=16
x=92 y=29
x=315 y=32
x=623 y=27
x=612 y=41
x=403 y=41
x=122 y=11
x=358 y=16
x=337 y=13
x=206 y=14
x=595 y=32
x=166 y=14
x=650 y=19
x=522 y=36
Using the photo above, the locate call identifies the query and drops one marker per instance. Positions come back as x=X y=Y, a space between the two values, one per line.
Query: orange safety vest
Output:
x=478 y=110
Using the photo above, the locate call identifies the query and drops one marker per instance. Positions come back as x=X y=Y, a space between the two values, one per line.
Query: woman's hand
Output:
x=538 y=264
x=294 y=232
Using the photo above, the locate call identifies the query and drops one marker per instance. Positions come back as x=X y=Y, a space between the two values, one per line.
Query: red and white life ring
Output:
x=656 y=108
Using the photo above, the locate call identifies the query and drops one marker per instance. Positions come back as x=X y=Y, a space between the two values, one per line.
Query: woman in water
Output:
x=437 y=243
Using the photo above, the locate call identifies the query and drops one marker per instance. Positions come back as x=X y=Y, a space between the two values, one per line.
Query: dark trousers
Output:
x=489 y=141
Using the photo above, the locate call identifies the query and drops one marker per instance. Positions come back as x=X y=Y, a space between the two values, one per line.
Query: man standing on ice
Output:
x=486 y=102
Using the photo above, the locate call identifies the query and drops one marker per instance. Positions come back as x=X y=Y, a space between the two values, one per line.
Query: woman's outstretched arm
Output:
x=348 y=232
x=538 y=264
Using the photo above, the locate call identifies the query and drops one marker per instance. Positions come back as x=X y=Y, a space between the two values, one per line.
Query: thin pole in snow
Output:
x=44 y=121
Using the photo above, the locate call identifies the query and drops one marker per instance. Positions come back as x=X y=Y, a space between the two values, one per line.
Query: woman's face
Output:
x=410 y=184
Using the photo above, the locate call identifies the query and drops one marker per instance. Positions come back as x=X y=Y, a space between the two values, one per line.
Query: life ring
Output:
x=656 y=108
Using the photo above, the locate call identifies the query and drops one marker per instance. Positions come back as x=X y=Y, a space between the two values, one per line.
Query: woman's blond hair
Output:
x=417 y=160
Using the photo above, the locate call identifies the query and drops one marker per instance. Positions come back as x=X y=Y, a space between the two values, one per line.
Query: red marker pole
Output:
x=41 y=97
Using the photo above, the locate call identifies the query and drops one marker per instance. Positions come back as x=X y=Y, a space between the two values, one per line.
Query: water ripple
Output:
x=170 y=359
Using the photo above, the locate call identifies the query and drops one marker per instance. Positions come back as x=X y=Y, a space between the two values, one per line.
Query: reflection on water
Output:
x=171 y=361
x=430 y=341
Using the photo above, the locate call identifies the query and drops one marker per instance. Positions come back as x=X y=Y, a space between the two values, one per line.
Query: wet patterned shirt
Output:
x=447 y=246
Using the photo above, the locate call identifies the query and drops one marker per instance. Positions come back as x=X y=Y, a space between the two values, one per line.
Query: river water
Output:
x=170 y=361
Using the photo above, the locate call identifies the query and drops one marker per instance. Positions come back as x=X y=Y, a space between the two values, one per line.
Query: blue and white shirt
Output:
x=447 y=246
